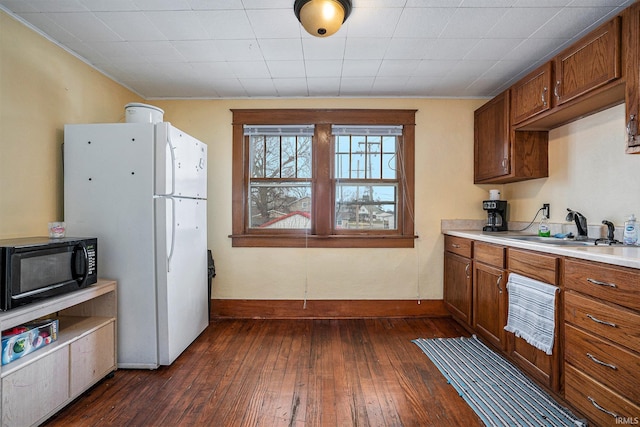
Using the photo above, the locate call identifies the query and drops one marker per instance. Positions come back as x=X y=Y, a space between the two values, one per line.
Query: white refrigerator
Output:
x=141 y=188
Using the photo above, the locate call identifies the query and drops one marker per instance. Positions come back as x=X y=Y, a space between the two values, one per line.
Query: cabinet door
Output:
x=489 y=320
x=531 y=95
x=35 y=390
x=457 y=286
x=631 y=34
x=491 y=134
x=589 y=64
x=92 y=357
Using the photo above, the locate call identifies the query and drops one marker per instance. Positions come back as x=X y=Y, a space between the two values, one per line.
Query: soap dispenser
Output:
x=543 y=227
x=630 y=236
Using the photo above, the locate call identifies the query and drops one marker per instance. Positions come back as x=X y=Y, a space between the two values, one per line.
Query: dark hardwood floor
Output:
x=361 y=372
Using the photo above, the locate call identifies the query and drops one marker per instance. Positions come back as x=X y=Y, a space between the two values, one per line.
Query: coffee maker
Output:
x=496 y=215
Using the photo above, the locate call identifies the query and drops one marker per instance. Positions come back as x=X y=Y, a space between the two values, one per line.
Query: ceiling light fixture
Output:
x=321 y=18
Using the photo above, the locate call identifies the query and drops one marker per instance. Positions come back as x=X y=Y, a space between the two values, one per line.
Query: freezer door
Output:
x=181 y=163
x=182 y=272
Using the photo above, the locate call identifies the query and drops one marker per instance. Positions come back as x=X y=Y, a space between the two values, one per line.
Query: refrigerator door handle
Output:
x=173 y=232
x=173 y=166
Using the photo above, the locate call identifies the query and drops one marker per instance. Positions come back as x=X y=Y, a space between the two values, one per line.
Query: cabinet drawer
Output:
x=458 y=245
x=596 y=401
x=92 y=357
x=489 y=254
x=616 y=324
x=613 y=366
x=33 y=391
x=616 y=284
x=534 y=265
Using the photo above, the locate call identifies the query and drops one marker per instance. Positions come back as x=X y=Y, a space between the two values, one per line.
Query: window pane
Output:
x=389 y=144
x=257 y=157
x=304 y=157
x=272 y=161
x=366 y=207
x=342 y=144
x=389 y=166
x=280 y=205
x=357 y=166
x=288 y=157
x=373 y=166
x=342 y=166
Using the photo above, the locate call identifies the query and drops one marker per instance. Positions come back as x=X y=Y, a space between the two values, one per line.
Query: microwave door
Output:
x=44 y=273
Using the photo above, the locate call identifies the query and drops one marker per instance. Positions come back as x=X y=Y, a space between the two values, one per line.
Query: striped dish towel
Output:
x=532 y=311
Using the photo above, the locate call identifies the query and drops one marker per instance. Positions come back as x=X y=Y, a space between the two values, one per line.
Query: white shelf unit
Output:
x=36 y=386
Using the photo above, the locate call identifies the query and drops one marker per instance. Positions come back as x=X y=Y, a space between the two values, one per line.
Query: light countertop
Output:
x=626 y=256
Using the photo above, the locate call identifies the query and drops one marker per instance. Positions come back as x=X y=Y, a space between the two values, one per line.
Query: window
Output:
x=280 y=172
x=323 y=178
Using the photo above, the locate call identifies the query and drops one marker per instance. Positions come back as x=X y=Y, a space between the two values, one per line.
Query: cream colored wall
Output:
x=588 y=172
x=42 y=87
x=444 y=189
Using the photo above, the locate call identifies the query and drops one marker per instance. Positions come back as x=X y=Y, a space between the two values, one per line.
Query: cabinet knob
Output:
x=556 y=89
x=544 y=96
x=466 y=270
x=498 y=283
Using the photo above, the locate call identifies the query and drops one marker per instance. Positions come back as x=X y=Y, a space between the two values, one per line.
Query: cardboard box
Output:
x=22 y=340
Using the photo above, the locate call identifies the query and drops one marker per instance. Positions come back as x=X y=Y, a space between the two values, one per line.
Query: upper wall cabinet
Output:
x=532 y=95
x=631 y=32
x=589 y=64
x=501 y=154
x=585 y=78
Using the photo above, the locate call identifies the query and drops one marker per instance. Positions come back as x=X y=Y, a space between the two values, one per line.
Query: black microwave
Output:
x=36 y=268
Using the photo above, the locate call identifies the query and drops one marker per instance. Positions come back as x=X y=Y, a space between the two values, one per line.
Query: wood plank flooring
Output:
x=356 y=372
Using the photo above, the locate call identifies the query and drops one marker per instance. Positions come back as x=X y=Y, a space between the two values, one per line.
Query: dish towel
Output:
x=531 y=313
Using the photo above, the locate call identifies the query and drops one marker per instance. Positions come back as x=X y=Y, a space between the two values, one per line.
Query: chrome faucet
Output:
x=581 y=223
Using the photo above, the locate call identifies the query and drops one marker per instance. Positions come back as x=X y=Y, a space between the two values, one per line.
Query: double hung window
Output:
x=323 y=178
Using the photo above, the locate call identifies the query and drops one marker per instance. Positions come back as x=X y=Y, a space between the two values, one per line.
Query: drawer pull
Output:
x=599 y=283
x=455 y=245
x=600 y=362
x=602 y=322
x=600 y=408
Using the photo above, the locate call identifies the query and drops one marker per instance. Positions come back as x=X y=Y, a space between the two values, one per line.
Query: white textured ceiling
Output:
x=257 y=48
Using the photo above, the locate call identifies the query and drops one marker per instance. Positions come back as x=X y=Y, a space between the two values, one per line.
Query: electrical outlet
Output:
x=546 y=210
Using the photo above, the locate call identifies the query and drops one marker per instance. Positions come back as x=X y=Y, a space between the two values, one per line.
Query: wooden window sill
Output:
x=314 y=241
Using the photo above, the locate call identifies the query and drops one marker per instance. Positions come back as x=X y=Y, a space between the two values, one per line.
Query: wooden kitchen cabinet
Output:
x=631 y=34
x=458 y=278
x=602 y=344
x=541 y=366
x=501 y=154
x=489 y=302
x=41 y=383
x=532 y=94
x=589 y=64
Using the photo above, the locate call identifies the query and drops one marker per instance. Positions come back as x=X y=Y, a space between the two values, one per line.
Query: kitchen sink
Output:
x=554 y=241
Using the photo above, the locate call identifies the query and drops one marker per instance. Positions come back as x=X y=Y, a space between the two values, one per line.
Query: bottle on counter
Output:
x=630 y=236
x=543 y=227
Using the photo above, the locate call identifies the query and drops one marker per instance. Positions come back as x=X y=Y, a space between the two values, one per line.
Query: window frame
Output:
x=322 y=233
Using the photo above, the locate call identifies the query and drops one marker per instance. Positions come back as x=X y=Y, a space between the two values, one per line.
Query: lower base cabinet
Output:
x=41 y=383
x=29 y=394
x=601 y=404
